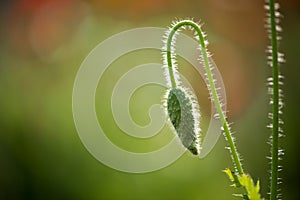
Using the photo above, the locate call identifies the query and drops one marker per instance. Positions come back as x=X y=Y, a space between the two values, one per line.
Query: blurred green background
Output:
x=42 y=46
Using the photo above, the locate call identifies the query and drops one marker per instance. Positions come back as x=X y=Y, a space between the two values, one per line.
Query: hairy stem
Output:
x=275 y=121
x=213 y=90
x=169 y=56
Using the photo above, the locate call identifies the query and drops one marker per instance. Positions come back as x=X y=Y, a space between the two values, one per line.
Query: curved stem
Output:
x=212 y=86
x=275 y=121
x=169 y=58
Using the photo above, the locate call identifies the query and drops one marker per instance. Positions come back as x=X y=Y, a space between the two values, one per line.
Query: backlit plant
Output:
x=183 y=110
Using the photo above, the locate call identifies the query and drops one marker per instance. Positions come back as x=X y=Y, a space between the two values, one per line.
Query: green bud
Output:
x=184 y=117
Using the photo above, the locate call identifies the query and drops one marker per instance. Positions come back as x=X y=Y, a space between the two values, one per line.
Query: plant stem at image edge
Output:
x=276 y=101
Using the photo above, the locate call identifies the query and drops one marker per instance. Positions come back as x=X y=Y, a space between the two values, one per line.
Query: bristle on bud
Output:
x=183 y=113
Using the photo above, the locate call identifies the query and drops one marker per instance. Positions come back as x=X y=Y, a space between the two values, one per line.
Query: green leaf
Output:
x=229 y=173
x=233 y=177
x=245 y=181
x=251 y=188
